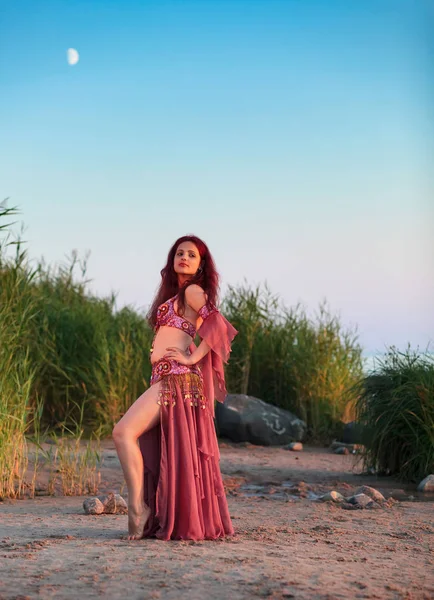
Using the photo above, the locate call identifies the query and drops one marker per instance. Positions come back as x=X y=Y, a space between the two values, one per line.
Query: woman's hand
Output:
x=179 y=355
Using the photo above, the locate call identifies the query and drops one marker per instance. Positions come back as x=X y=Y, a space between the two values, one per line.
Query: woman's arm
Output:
x=213 y=352
x=197 y=355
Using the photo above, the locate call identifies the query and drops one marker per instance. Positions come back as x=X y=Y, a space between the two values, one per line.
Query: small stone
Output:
x=334 y=445
x=93 y=506
x=427 y=484
x=294 y=446
x=113 y=504
x=360 y=500
x=372 y=493
x=341 y=450
x=332 y=496
x=352 y=448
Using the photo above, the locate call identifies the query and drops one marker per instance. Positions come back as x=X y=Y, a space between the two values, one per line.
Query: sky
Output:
x=296 y=137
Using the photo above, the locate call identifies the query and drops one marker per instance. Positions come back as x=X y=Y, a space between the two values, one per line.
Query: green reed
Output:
x=62 y=350
x=396 y=408
x=82 y=351
x=307 y=365
x=73 y=462
x=17 y=309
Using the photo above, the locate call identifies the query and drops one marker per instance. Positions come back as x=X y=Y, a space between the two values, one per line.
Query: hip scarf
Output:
x=185 y=379
x=167 y=366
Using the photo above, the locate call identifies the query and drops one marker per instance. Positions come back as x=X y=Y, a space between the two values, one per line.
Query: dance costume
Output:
x=183 y=483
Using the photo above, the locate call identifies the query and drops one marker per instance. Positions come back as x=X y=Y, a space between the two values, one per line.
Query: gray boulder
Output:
x=247 y=419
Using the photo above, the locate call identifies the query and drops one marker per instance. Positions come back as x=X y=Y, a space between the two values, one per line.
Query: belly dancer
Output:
x=166 y=441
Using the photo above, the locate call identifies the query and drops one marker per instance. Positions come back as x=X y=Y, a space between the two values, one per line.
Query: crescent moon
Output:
x=72 y=56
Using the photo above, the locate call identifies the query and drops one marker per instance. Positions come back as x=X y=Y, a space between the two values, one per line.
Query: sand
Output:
x=287 y=544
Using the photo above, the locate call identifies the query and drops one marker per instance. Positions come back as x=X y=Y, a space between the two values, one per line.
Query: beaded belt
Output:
x=169 y=366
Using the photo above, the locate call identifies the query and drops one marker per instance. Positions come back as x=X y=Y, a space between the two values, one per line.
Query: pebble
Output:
x=114 y=504
x=110 y=504
x=294 y=446
x=361 y=500
x=427 y=484
x=93 y=506
x=341 y=450
x=372 y=493
x=332 y=496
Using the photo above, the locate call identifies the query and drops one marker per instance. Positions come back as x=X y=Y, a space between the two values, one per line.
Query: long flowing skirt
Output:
x=182 y=480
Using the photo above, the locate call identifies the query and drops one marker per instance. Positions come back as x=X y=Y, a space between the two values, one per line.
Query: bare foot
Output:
x=137 y=522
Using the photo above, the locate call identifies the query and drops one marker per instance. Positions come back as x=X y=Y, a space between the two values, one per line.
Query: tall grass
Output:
x=308 y=365
x=78 y=350
x=73 y=462
x=87 y=352
x=396 y=407
x=17 y=372
x=62 y=350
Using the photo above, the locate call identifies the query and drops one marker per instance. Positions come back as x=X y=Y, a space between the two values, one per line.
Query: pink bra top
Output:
x=166 y=315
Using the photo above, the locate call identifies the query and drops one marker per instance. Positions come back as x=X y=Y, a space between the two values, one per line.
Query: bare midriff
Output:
x=168 y=337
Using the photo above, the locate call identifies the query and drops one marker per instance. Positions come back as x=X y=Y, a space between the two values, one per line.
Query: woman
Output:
x=175 y=488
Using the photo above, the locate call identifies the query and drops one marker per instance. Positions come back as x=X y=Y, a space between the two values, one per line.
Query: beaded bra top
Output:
x=166 y=315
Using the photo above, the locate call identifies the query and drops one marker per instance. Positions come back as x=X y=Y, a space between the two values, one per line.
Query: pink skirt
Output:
x=183 y=482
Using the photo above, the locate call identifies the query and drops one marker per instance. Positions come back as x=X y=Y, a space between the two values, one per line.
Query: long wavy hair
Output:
x=206 y=276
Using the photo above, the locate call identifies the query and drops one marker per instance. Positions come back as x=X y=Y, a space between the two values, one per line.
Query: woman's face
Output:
x=187 y=259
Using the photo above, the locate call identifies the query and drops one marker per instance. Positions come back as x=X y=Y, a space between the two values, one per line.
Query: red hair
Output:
x=207 y=278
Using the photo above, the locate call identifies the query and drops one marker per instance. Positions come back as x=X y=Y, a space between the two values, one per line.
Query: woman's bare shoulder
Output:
x=195 y=296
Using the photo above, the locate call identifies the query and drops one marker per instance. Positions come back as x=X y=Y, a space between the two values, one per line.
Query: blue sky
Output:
x=294 y=137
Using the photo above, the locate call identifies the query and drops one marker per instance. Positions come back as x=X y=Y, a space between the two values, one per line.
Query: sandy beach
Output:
x=287 y=543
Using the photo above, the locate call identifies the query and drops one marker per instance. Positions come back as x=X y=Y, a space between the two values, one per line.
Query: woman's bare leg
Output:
x=143 y=415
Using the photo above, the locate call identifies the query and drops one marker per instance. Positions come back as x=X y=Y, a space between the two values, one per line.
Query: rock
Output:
x=353 y=433
x=93 y=506
x=372 y=493
x=335 y=444
x=372 y=505
x=332 y=496
x=341 y=450
x=294 y=446
x=352 y=448
x=247 y=419
x=110 y=504
x=360 y=500
x=114 y=504
x=427 y=484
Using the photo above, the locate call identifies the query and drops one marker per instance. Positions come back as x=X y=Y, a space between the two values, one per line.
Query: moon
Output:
x=72 y=56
